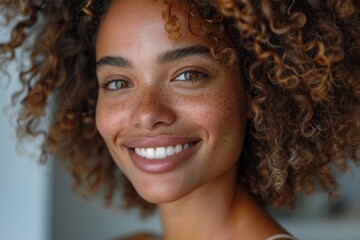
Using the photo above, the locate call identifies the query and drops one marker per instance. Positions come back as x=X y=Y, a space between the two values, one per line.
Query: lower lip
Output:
x=167 y=164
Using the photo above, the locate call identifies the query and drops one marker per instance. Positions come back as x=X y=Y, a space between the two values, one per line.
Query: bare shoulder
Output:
x=140 y=236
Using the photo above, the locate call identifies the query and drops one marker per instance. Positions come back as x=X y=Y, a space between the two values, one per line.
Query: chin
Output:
x=158 y=198
x=161 y=194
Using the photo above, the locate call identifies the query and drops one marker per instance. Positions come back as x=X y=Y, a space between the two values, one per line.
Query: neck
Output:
x=219 y=209
x=203 y=213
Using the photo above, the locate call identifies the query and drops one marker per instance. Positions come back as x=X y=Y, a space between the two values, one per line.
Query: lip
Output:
x=157 y=166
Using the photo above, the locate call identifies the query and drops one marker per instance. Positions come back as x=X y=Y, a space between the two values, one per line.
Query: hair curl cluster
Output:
x=300 y=64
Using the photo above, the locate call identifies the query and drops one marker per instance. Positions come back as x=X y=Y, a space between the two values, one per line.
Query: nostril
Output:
x=152 y=113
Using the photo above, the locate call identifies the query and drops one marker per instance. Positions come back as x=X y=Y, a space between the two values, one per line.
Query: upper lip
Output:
x=158 y=141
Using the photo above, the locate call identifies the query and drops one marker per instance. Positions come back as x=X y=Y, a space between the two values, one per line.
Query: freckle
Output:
x=224 y=142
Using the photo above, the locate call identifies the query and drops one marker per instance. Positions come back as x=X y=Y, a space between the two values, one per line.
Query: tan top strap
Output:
x=280 y=236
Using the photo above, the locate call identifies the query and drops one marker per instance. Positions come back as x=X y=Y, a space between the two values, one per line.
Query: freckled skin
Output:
x=213 y=109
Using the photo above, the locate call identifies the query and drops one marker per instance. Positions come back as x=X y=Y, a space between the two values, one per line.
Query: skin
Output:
x=159 y=102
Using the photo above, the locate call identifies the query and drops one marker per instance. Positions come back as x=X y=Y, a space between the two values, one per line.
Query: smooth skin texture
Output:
x=149 y=100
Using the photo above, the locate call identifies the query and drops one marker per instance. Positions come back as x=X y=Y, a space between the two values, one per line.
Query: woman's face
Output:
x=172 y=117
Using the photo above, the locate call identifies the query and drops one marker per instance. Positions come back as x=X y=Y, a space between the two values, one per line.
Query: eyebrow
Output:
x=164 y=58
x=117 y=61
x=177 y=54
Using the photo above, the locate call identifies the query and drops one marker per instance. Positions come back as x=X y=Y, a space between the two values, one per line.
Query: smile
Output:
x=161 y=152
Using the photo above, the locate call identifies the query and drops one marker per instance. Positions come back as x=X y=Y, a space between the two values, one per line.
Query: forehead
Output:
x=128 y=22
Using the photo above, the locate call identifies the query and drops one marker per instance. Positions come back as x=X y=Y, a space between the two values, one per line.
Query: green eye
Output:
x=119 y=84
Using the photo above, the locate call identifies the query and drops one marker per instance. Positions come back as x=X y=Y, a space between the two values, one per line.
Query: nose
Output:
x=153 y=110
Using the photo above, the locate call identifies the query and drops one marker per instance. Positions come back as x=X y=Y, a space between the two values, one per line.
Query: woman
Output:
x=210 y=109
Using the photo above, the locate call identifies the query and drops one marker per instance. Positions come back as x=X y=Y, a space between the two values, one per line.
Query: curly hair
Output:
x=300 y=64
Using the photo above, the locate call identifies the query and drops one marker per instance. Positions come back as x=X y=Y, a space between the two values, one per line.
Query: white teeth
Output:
x=150 y=153
x=143 y=152
x=170 y=150
x=138 y=151
x=178 y=148
x=160 y=152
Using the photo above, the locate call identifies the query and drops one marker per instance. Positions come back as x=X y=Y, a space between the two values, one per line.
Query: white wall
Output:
x=24 y=184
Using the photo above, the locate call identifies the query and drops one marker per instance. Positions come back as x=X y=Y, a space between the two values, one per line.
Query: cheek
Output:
x=109 y=117
x=227 y=123
x=221 y=114
x=224 y=120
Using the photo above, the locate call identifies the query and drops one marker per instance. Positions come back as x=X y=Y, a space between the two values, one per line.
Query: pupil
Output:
x=122 y=84
x=191 y=75
x=119 y=84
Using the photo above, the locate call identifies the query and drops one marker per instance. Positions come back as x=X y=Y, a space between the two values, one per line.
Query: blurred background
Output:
x=36 y=202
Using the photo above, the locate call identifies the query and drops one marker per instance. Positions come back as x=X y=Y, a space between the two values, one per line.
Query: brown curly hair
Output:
x=300 y=61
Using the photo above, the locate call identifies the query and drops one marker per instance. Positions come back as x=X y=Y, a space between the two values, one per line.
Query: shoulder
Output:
x=140 y=236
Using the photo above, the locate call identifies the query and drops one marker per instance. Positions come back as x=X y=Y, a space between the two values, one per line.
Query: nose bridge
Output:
x=152 y=108
x=151 y=99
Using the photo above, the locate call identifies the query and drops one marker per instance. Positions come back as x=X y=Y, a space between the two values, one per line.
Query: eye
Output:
x=118 y=84
x=190 y=75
